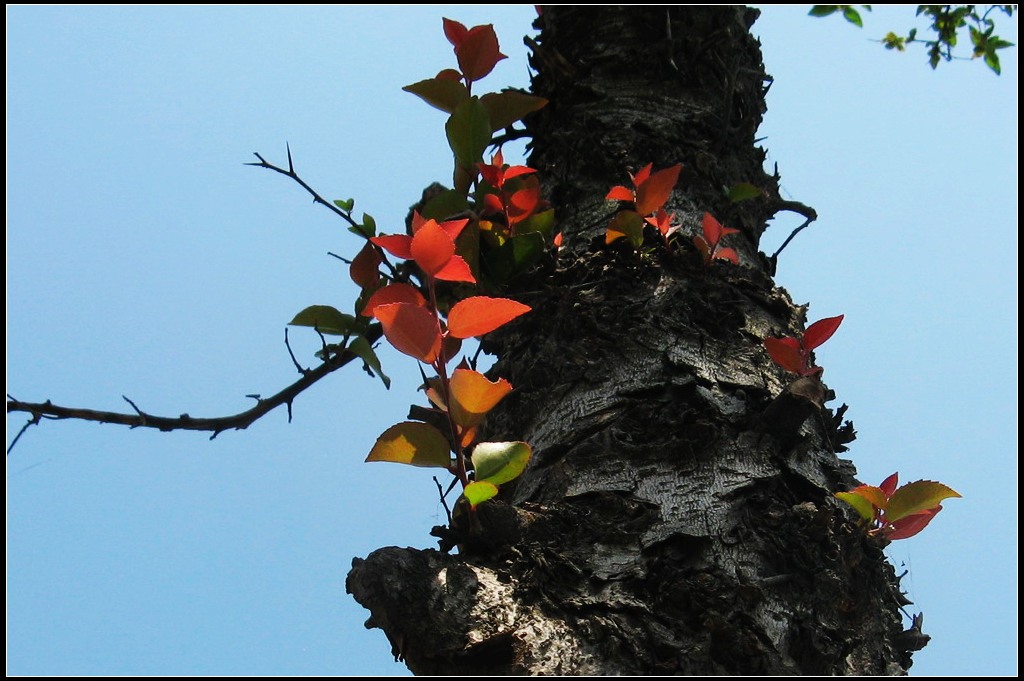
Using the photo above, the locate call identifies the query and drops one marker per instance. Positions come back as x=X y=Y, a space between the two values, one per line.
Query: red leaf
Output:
x=492 y=202
x=620 y=193
x=395 y=293
x=712 y=229
x=448 y=74
x=397 y=245
x=412 y=329
x=478 y=52
x=642 y=175
x=523 y=202
x=364 y=267
x=432 y=248
x=786 y=353
x=888 y=485
x=727 y=254
x=662 y=221
x=457 y=269
x=652 y=193
x=454 y=31
x=516 y=171
x=820 y=331
x=479 y=315
x=910 y=525
x=702 y=245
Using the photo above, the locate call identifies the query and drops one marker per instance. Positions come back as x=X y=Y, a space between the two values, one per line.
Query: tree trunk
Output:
x=677 y=516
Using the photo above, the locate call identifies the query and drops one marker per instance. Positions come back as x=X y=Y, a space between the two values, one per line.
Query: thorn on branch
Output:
x=31 y=422
x=287 y=344
x=441 y=493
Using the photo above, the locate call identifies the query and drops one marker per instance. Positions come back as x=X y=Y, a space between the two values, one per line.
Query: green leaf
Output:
x=863 y=507
x=916 y=496
x=891 y=41
x=367 y=229
x=345 y=205
x=543 y=223
x=326 y=319
x=822 y=10
x=508 y=106
x=469 y=132
x=514 y=256
x=440 y=93
x=369 y=225
x=477 y=493
x=447 y=203
x=853 y=16
x=412 y=443
x=743 y=191
x=361 y=348
x=499 y=462
x=626 y=223
x=992 y=61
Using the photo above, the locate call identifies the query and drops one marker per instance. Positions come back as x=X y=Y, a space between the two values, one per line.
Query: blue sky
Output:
x=145 y=260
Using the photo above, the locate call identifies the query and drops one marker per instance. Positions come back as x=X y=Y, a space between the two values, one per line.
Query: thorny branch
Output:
x=216 y=425
x=290 y=172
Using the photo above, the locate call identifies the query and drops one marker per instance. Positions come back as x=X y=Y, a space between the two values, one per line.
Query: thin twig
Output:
x=441 y=493
x=344 y=215
x=216 y=425
x=298 y=367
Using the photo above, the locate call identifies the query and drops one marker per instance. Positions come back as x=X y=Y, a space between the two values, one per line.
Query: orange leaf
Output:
x=875 y=495
x=395 y=293
x=473 y=395
x=652 y=193
x=479 y=315
x=620 y=193
x=412 y=329
x=432 y=248
x=453 y=228
x=457 y=269
x=397 y=245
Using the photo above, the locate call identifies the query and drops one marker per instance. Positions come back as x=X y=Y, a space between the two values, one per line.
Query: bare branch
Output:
x=344 y=215
x=799 y=209
x=216 y=425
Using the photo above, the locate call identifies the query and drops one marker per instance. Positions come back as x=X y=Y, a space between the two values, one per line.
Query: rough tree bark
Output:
x=677 y=516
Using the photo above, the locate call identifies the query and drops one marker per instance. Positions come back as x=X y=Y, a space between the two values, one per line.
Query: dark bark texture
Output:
x=677 y=516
